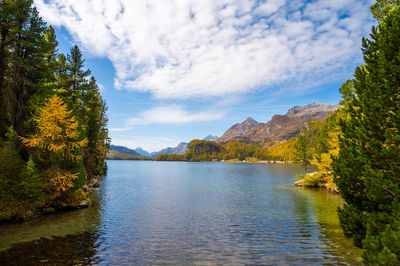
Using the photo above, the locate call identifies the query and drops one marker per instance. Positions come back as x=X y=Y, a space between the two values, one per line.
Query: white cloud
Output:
x=183 y=49
x=171 y=114
x=269 y=7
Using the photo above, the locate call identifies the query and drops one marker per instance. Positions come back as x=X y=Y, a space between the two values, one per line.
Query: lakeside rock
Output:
x=317 y=180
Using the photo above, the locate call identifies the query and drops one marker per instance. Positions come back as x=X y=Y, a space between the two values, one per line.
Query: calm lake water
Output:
x=175 y=212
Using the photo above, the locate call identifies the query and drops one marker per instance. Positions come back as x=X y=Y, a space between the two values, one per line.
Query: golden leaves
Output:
x=58 y=133
x=64 y=180
x=58 y=130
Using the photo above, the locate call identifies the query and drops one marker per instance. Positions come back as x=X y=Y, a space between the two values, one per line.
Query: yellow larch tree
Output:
x=58 y=134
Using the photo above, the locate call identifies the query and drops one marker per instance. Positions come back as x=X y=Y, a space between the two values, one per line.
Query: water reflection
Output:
x=324 y=205
x=166 y=212
x=68 y=250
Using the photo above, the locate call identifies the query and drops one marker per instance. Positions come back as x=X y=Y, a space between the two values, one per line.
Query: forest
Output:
x=53 y=122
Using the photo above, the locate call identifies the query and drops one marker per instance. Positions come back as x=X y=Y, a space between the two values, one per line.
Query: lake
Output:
x=180 y=212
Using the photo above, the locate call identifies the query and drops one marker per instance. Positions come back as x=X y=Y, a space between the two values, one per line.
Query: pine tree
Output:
x=25 y=63
x=7 y=20
x=367 y=170
x=11 y=164
x=96 y=130
x=303 y=148
x=30 y=186
x=382 y=7
x=77 y=76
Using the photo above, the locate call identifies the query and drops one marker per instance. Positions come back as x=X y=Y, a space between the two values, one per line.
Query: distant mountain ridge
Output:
x=142 y=152
x=280 y=127
x=211 y=137
x=180 y=149
x=123 y=150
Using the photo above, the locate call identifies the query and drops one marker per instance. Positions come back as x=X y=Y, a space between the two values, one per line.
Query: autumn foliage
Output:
x=58 y=134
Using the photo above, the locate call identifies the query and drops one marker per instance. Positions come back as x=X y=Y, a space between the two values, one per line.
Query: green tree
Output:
x=7 y=21
x=25 y=61
x=30 y=186
x=382 y=7
x=96 y=130
x=77 y=76
x=11 y=164
x=367 y=170
x=303 y=148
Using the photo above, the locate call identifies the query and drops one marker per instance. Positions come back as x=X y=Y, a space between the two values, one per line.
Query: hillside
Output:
x=280 y=127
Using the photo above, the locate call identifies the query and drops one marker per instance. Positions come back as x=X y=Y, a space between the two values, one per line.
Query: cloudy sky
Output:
x=176 y=70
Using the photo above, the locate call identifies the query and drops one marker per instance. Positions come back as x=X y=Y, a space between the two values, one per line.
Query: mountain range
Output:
x=280 y=127
x=180 y=149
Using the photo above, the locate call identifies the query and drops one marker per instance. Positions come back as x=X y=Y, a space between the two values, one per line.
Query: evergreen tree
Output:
x=7 y=21
x=367 y=170
x=11 y=164
x=77 y=76
x=25 y=63
x=96 y=130
x=30 y=187
x=303 y=148
x=382 y=7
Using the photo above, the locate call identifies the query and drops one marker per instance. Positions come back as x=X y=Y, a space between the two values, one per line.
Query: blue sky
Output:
x=176 y=70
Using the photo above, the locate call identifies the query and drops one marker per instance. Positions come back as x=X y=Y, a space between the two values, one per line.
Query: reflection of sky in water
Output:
x=170 y=212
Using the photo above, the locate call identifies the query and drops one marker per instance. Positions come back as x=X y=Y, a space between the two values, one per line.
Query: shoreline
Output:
x=91 y=187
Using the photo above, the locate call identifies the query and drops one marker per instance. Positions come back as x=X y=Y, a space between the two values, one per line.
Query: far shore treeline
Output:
x=53 y=134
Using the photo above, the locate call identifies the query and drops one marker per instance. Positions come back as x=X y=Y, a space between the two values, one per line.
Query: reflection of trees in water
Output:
x=77 y=246
x=69 y=250
x=324 y=205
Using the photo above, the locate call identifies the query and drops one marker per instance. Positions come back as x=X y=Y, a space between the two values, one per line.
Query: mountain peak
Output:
x=211 y=137
x=249 y=119
x=238 y=129
x=310 y=110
